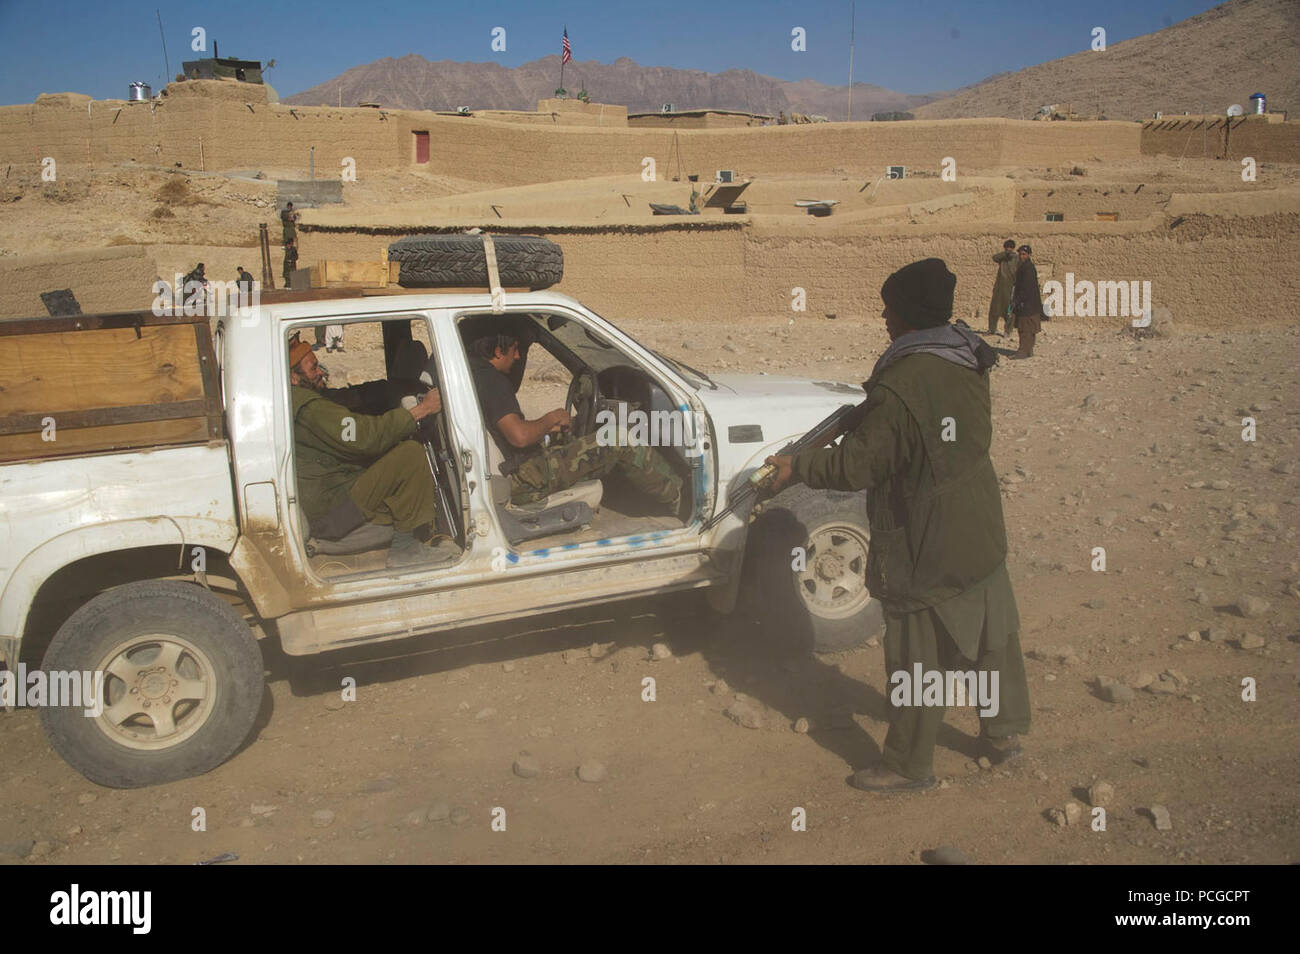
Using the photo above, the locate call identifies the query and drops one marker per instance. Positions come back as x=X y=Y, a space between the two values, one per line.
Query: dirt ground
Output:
x=1100 y=441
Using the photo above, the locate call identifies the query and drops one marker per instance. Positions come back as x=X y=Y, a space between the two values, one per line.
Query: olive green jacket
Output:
x=333 y=446
x=921 y=453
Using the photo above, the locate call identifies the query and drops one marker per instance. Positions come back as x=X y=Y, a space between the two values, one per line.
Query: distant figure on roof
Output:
x=289 y=219
x=245 y=283
x=290 y=261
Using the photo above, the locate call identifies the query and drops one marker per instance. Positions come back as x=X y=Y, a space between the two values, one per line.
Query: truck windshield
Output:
x=571 y=334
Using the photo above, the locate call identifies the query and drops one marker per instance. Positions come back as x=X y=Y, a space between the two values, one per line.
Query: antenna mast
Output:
x=166 y=63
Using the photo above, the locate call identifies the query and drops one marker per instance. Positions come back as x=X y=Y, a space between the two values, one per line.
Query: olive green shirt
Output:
x=333 y=446
x=1008 y=261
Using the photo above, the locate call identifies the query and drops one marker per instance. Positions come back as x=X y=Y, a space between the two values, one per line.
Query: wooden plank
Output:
x=90 y=440
x=101 y=416
x=119 y=319
x=77 y=371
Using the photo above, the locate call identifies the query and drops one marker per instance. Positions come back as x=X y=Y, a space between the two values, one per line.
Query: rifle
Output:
x=843 y=420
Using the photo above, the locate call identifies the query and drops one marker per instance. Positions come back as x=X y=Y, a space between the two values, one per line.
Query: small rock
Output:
x=728 y=346
x=438 y=811
x=1160 y=815
x=945 y=855
x=1192 y=636
x=1116 y=692
x=984 y=763
x=1101 y=794
x=1163 y=686
x=1057 y=817
x=1073 y=812
x=1142 y=680
x=744 y=714
x=660 y=651
x=1252 y=607
x=720 y=688
x=1200 y=562
x=1216 y=634
x=801 y=725
x=1219 y=485
x=1095 y=604
x=1251 y=641
x=1108 y=518
x=459 y=815
x=85 y=798
x=597 y=651
x=40 y=849
x=592 y=771
x=261 y=809
x=414 y=819
x=507 y=667
x=527 y=766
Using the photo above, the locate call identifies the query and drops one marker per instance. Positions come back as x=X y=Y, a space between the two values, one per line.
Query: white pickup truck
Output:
x=150 y=525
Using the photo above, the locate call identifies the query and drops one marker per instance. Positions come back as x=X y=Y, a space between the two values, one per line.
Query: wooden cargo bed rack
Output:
x=85 y=384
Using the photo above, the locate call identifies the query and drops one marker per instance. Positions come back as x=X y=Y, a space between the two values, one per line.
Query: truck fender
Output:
x=26 y=579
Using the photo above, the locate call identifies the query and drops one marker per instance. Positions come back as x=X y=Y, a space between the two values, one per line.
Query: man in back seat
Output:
x=536 y=472
x=355 y=468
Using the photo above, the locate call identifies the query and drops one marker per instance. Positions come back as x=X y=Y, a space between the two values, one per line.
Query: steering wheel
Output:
x=581 y=401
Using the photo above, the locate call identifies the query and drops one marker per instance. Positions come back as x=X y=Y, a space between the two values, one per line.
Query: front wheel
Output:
x=182 y=684
x=808 y=551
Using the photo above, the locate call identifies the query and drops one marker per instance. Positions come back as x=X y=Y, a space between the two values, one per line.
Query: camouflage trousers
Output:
x=582 y=458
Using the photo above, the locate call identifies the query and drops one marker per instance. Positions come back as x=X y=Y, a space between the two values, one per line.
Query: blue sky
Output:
x=915 y=46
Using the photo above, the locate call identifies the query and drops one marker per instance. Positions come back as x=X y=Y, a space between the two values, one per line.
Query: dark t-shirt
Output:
x=496 y=396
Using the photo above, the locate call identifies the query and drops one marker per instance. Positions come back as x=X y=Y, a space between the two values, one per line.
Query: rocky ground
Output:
x=1137 y=672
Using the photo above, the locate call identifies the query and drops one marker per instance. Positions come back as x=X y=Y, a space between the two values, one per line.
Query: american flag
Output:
x=567 y=54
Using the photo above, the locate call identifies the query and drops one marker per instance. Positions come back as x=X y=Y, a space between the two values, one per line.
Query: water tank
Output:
x=1260 y=103
x=139 y=93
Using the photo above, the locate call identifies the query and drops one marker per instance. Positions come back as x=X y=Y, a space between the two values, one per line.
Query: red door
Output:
x=421 y=147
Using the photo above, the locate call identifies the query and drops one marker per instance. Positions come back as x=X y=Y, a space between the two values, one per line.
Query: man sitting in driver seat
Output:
x=536 y=472
x=356 y=468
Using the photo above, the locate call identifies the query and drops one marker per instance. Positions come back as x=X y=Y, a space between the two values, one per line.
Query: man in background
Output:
x=1027 y=303
x=1003 y=285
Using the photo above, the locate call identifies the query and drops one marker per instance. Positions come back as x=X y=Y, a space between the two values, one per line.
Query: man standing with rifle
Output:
x=937 y=559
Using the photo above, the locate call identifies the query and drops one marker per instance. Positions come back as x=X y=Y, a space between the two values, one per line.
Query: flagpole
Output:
x=853 y=16
x=566 y=33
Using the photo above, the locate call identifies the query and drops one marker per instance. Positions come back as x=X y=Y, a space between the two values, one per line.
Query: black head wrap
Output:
x=921 y=293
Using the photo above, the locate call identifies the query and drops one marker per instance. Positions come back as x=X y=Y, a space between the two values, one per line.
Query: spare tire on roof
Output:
x=459 y=261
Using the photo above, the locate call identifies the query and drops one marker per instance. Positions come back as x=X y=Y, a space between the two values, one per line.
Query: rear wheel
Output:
x=808 y=551
x=182 y=684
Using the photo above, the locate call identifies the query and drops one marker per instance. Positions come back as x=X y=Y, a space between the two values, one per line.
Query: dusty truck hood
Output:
x=753 y=412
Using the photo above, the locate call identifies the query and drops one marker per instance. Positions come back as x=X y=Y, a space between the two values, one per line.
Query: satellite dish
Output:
x=1234 y=110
